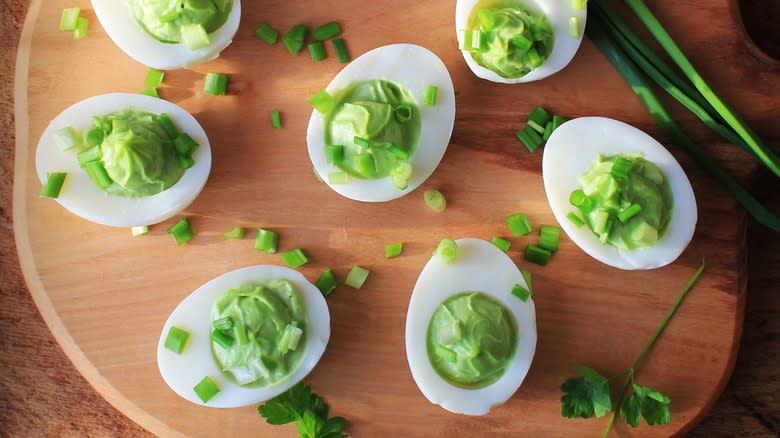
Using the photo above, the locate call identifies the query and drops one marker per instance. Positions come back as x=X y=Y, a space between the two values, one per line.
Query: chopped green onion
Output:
x=82 y=25
x=621 y=167
x=181 y=231
x=537 y=254
x=170 y=16
x=431 y=95
x=222 y=338
x=361 y=142
x=403 y=113
x=206 y=389
x=528 y=280
x=520 y=292
x=215 y=84
x=195 y=36
x=88 y=155
x=154 y=77
x=486 y=19
x=266 y=241
x=166 y=123
x=326 y=31
x=150 y=92
x=225 y=323
x=185 y=145
x=290 y=338
x=435 y=200
x=67 y=138
x=356 y=277
x=338 y=178
x=326 y=282
x=538 y=118
x=629 y=212
x=548 y=130
x=364 y=164
x=530 y=138
x=317 y=51
x=519 y=224
x=558 y=121
x=502 y=244
x=393 y=250
x=69 y=18
x=341 y=50
x=240 y=334
x=600 y=221
x=235 y=233
x=401 y=174
x=295 y=38
x=532 y=58
x=475 y=40
x=98 y=174
x=185 y=162
x=139 y=230
x=575 y=27
x=267 y=33
x=400 y=153
x=522 y=43
x=575 y=219
x=549 y=237
x=579 y=4
x=53 y=185
x=334 y=154
x=276 y=120
x=541 y=29
x=579 y=199
x=446 y=251
x=294 y=258
x=93 y=136
x=323 y=102
x=176 y=339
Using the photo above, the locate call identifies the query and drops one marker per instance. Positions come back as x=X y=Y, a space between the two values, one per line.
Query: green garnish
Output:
x=435 y=200
x=519 y=224
x=295 y=38
x=151 y=91
x=166 y=123
x=194 y=36
x=67 y=138
x=221 y=338
x=223 y=324
x=267 y=33
x=356 y=277
x=537 y=254
x=53 y=185
x=326 y=282
x=394 y=250
x=326 y=31
x=176 y=339
x=323 y=102
x=294 y=258
x=139 y=230
x=276 y=119
x=502 y=244
x=589 y=394
x=538 y=118
x=69 y=18
x=154 y=77
x=298 y=404
x=338 y=177
x=576 y=220
x=266 y=241
x=317 y=51
x=206 y=389
x=181 y=231
x=520 y=292
x=340 y=46
x=530 y=138
x=82 y=25
x=401 y=174
x=215 y=84
x=446 y=251
x=235 y=233
x=549 y=237
x=431 y=95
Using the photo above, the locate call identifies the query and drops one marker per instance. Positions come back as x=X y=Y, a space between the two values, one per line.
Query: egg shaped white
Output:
x=183 y=371
x=414 y=68
x=121 y=26
x=79 y=193
x=570 y=152
x=480 y=267
x=559 y=13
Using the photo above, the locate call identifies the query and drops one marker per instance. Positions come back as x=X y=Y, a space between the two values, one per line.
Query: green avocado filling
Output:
x=135 y=155
x=471 y=340
x=625 y=200
x=258 y=333
x=377 y=123
x=508 y=38
x=165 y=20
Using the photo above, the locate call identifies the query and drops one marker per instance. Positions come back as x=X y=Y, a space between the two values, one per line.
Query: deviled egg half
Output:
x=618 y=193
x=131 y=160
x=170 y=34
x=513 y=41
x=244 y=337
x=469 y=340
x=383 y=123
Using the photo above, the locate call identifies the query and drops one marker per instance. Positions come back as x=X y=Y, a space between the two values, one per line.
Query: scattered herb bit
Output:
x=520 y=292
x=538 y=118
x=589 y=394
x=435 y=200
x=326 y=31
x=206 y=389
x=530 y=138
x=276 y=119
x=267 y=33
x=139 y=230
x=401 y=174
x=356 y=277
x=176 y=339
x=298 y=404
x=235 y=233
x=151 y=91
x=528 y=281
x=154 y=77
x=215 y=84
x=181 y=231
x=549 y=237
x=431 y=95
x=502 y=244
x=323 y=102
x=340 y=46
x=446 y=251
x=575 y=219
x=519 y=224
x=69 y=18
x=195 y=36
x=317 y=51
x=53 y=185
x=294 y=258
x=326 y=282
x=67 y=138
x=537 y=254
x=338 y=177
x=394 y=250
x=82 y=26
x=295 y=38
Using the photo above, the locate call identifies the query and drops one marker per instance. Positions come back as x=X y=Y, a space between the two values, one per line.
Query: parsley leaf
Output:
x=648 y=403
x=308 y=410
x=586 y=395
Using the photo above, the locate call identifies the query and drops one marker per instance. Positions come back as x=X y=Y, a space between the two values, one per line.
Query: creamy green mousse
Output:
x=260 y=314
x=164 y=19
x=375 y=111
x=137 y=154
x=471 y=339
x=612 y=196
x=507 y=38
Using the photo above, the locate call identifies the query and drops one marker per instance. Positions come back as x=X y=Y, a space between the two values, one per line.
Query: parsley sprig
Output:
x=308 y=410
x=589 y=394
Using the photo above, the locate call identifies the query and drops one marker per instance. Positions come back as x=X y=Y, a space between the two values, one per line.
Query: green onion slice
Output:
x=549 y=237
x=195 y=36
x=176 y=339
x=67 y=138
x=235 y=233
x=295 y=38
x=537 y=254
x=154 y=77
x=215 y=84
x=222 y=339
x=326 y=31
x=323 y=102
x=520 y=292
x=206 y=389
x=334 y=154
x=139 y=230
x=403 y=113
x=181 y=231
x=276 y=119
x=502 y=244
x=166 y=123
x=69 y=18
x=394 y=250
x=446 y=251
x=519 y=224
x=82 y=26
x=294 y=258
x=538 y=118
x=151 y=91
x=431 y=95
x=53 y=185
x=357 y=277
x=530 y=138
x=317 y=51
x=326 y=282
x=435 y=200
x=266 y=241
x=267 y=33
x=341 y=50
x=628 y=213
x=401 y=174
x=575 y=219
x=97 y=173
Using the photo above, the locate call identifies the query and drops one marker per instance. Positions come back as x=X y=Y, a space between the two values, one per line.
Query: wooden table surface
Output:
x=42 y=395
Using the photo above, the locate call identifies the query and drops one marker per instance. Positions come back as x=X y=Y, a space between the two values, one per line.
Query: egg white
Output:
x=121 y=26
x=183 y=371
x=414 y=68
x=79 y=193
x=570 y=152
x=480 y=267
x=558 y=12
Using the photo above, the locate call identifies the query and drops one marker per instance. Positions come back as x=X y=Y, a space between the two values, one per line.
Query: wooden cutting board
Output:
x=105 y=295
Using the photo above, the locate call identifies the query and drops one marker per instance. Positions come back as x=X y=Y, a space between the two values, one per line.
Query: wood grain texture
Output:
x=502 y=154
